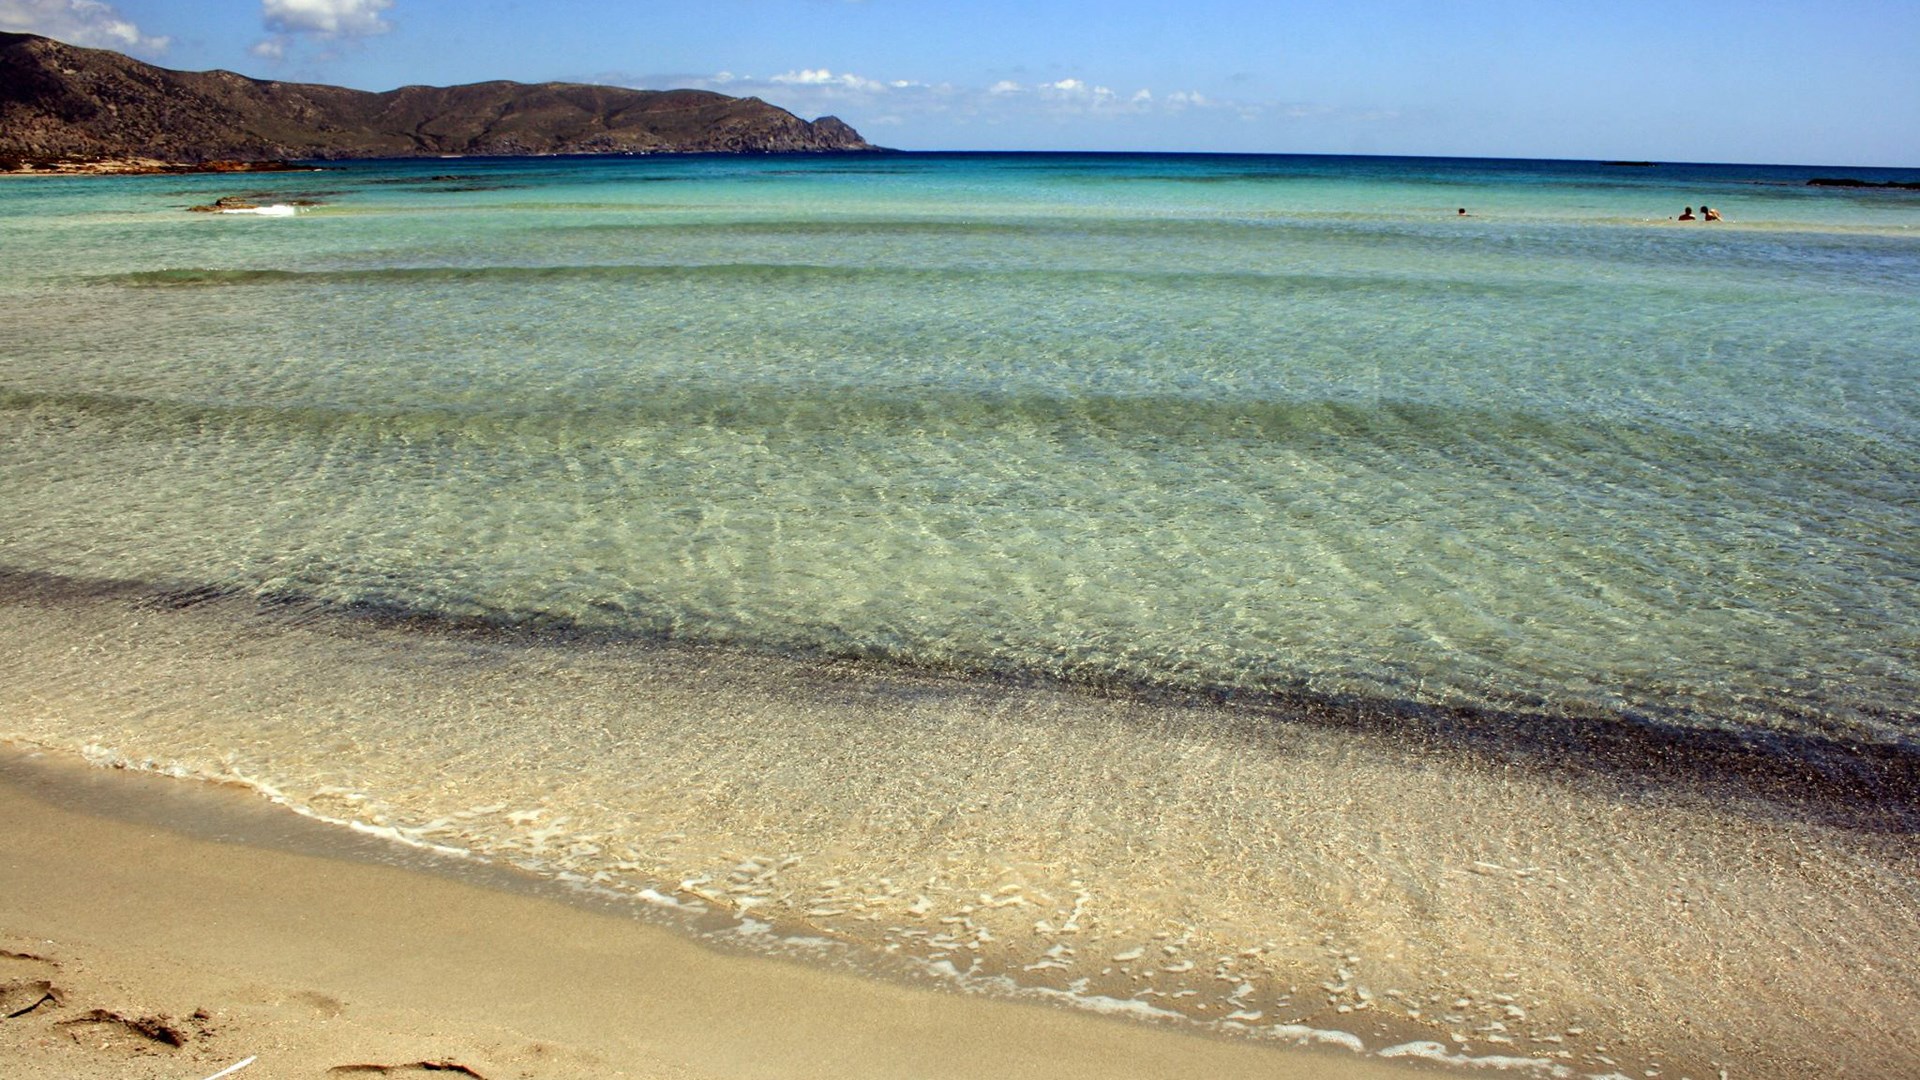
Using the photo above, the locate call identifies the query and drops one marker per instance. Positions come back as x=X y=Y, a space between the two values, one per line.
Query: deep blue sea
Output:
x=1254 y=433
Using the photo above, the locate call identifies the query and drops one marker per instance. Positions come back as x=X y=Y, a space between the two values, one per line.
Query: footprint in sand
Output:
x=26 y=984
x=17 y=999
x=113 y=1027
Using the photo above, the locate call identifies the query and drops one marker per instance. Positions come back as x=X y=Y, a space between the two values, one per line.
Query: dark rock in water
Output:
x=224 y=202
x=1855 y=182
x=59 y=101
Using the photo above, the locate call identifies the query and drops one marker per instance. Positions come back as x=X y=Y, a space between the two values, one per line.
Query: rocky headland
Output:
x=68 y=109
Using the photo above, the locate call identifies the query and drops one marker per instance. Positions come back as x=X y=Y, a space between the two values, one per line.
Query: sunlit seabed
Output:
x=1549 y=574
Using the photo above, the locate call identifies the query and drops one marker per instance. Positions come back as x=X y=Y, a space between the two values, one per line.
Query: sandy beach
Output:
x=257 y=935
x=1599 y=932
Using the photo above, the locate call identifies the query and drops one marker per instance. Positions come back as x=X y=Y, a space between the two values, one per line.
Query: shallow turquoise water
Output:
x=1251 y=425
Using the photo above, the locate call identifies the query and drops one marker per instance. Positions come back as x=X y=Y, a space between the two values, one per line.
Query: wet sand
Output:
x=321 y=965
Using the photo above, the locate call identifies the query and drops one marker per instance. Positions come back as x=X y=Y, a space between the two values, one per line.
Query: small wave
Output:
x=767 y=274
x=1846 y=781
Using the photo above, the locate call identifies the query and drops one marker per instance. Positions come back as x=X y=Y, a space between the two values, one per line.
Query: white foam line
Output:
x=661 y=900
x=399 y=836
x=1110 y=1006
x=1303 y=1035
x=1438 y=1054
x=103 y=757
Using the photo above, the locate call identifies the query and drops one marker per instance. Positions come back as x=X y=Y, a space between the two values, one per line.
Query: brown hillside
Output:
x=61 y=101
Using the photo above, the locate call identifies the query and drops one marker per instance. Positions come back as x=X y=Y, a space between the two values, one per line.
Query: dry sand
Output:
x=137 y=912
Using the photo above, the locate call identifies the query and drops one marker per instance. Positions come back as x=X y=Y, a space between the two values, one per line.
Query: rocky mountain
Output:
x=62 y=101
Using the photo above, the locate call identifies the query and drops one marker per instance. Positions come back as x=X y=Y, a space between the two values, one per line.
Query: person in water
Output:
x=1687 y=215
x=1708 y=213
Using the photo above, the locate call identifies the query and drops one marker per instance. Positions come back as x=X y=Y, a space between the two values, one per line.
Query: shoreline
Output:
x=237 y=944
x=1839 y=780
x=908 y=830
x=139 y=166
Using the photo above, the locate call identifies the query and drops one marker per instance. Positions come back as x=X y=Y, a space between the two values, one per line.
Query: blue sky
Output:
x=1834 y=82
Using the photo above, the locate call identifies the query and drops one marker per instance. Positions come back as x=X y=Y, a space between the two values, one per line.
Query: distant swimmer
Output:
x=1708 y=213
x=1463 y=212
x=1687 y=215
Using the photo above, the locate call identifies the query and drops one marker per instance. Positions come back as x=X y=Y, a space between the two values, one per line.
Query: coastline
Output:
x=1356 y=882
x=140 y=166
x=259 y=935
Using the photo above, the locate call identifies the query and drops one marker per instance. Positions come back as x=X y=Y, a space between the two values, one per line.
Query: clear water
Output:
x=1244 y=423
x=1268 y=430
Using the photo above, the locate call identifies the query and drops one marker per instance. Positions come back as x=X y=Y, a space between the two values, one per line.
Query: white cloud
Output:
x=78 y=22
x=814 y=91
x=326 y=18
x=1067 y=103
x=807 y=92
x=823 y=77
x=292 y=21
